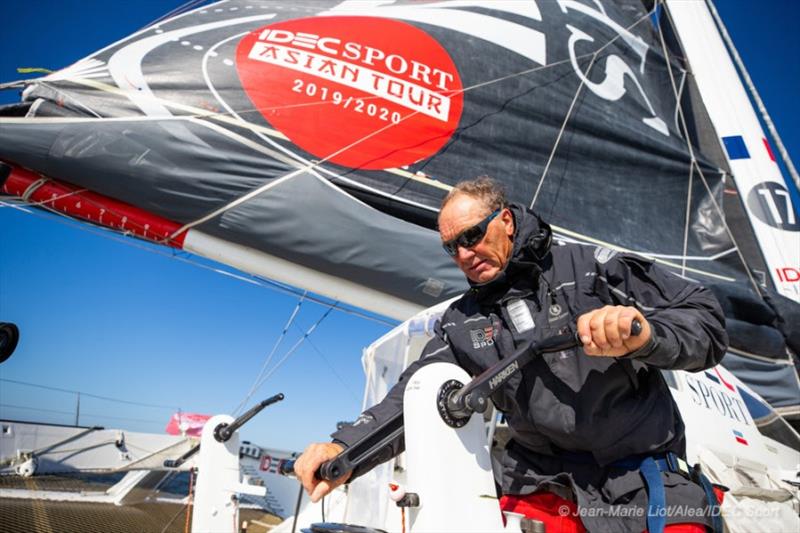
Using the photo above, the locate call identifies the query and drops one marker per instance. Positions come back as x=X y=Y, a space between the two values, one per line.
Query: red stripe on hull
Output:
x=93 y=207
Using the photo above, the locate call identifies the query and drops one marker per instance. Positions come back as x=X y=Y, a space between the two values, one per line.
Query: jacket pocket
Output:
x=574 y=368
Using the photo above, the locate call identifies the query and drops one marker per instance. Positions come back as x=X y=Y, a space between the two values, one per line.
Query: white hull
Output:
x=721 y=434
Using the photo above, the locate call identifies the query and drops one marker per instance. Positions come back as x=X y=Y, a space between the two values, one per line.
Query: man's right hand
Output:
x=308 y=463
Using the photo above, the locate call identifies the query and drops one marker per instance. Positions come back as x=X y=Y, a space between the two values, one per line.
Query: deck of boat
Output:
x=27 y=515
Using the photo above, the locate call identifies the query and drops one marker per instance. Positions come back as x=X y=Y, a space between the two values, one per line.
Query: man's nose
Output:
x=464 y=254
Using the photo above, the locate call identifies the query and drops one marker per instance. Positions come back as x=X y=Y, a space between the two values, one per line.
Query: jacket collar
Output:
x=530 y=253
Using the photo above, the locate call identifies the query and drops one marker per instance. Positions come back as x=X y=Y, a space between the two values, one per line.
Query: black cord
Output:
x=322 y=502
x=297 y=508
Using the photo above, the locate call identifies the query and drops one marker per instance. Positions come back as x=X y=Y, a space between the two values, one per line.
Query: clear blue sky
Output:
x=115 y=320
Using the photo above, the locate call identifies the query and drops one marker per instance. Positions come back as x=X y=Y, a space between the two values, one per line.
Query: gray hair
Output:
x=484 y=188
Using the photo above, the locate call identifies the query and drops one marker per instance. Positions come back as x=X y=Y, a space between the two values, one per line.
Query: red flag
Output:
x=188 y=424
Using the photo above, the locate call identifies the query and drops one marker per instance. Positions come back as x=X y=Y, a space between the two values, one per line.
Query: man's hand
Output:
x=307 y=464
x=606 y=331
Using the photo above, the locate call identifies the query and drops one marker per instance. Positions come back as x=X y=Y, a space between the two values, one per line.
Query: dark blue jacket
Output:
x=604 y=408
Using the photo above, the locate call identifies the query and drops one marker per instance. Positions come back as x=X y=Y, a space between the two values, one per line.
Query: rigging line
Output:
x=122 y=238
x=594 y=55
x=186 y=6
x=242 y=199
x=89 y=395
x=463 y=128
x=705 y=258
x=186 y=507
x=265 y=283
x=236 y=112
x=28 y=408
x=307 y=168
x=265 y=135
x=224 y=117
x=296 y=345
x=687 y=217
x=561 y=131
x=676 y=93
x=560 y=232
x=754 y=93
x=684 y=77
x=16 y=205
x=83 y=416
x=271 y=353
x=332 y=368
x=238 y=121
x=694 y=162
x=42 y=204
x=102 y=416
x=246 y=124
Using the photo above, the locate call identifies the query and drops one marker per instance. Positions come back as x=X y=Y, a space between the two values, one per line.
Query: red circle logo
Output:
x=362 y=92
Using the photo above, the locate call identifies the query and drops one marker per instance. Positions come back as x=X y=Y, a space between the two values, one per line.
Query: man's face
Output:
x=485 y=260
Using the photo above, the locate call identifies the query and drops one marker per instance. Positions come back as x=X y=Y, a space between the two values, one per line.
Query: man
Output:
x=594 y=430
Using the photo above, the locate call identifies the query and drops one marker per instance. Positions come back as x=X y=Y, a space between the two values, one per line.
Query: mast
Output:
x=754 y=93
x=763 y=191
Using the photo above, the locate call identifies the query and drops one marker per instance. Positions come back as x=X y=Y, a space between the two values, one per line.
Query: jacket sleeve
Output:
x=437 y=350
x=687 y=322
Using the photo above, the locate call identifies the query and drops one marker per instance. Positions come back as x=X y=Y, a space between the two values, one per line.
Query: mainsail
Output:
x=312 y=142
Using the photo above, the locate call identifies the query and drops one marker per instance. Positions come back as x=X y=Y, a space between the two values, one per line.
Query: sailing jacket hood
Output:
x=606 y=408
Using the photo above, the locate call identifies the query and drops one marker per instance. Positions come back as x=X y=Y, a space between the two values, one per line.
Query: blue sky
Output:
x=130 y=322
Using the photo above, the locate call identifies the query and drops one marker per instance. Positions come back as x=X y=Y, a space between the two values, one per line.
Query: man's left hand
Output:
x=606 y=332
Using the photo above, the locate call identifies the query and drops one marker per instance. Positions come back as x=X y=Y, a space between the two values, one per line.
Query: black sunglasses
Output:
x=470 y=236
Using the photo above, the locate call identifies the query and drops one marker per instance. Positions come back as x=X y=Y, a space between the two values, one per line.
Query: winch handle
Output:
x=375 y=444
x=474 y=396
x=373 y=448
x=329 y=470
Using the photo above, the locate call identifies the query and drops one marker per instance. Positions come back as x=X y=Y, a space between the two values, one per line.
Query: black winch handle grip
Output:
x=224 y=432
x=636 y=330
x=286 y=468
x=175 y=463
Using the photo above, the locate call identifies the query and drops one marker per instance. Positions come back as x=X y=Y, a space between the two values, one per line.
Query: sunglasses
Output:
x=470 y=236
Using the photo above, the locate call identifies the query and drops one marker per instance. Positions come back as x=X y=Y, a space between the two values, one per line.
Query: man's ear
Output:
x=508 y=221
